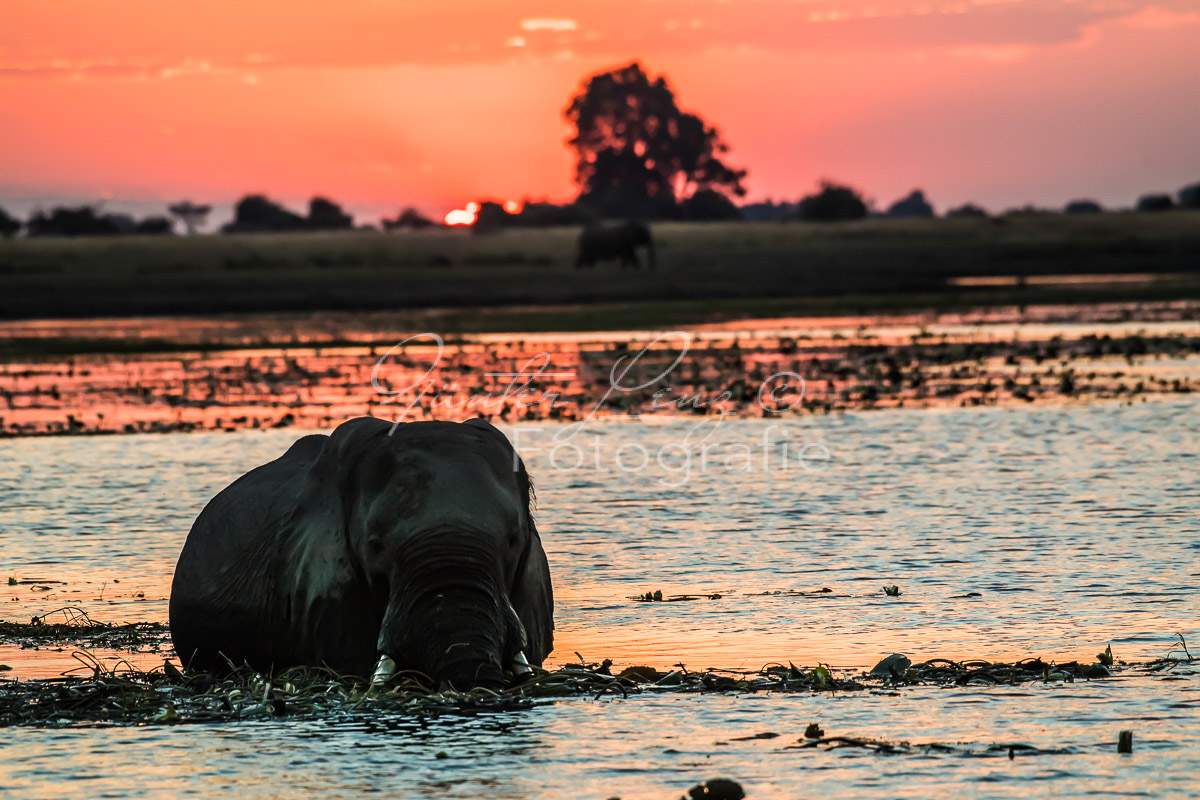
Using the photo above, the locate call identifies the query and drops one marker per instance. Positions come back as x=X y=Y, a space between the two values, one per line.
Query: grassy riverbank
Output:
x=527 y=281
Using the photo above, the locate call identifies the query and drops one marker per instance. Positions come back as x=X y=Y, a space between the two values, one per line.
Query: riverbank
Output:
x=527 y=279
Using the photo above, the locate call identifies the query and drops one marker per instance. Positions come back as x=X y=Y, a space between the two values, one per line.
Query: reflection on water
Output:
x=1074 y=526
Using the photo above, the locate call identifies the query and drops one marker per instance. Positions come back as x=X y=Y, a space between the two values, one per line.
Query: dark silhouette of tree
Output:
x=326 y=215
x=77 y=221
x=408 y=219
x=192 y=215
x=637 y=152
x=1155 y=202
x=967 y=210
x=709 y=205
x=915 y=205
x=256 y=214
x=831 y=204
x=1083 y=207
x=10 y=226
x=1189 y=196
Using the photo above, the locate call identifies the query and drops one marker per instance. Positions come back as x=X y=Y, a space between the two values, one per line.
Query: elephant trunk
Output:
x=650 y=253
x=448 y=616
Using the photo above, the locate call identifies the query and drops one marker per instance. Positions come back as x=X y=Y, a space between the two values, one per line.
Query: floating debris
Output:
x=906 y=748
x=657 y=597
x=716 y=789
x=892 y=591
x=894 y=666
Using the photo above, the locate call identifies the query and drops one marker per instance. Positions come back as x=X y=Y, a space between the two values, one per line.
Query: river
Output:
x=1011 y=532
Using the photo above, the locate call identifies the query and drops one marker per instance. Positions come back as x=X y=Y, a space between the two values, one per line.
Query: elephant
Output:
x=603 y=242
x=410 y=546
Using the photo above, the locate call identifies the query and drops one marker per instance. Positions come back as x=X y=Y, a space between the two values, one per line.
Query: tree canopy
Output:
x=637 y=152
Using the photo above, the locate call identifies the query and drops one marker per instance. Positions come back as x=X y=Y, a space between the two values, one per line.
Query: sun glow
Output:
x=463 y=216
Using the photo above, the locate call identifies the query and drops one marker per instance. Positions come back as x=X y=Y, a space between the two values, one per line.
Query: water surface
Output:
x=1076 y=527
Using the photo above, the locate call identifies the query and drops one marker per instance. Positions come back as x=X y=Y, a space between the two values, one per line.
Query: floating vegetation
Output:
x=77 y=629
x=658 y=597
x=905 y=748
x=117 y=693
x=125 y=695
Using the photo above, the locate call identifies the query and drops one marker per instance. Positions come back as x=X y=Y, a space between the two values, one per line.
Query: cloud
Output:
x=547 y=24
x=1156 y=18
x=232 y=36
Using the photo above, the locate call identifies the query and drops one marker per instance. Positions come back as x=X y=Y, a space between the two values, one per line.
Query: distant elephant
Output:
x=604 y=242
x=415 y=543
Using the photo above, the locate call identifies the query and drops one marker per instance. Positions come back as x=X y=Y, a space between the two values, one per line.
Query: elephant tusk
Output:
x=384 y=670
x=521 y=664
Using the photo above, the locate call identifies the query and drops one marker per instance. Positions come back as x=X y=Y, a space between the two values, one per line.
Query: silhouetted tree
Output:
x=409 y=219
x=967 y=210
x=9 y=226
x=192 y=215
x=1155 y=202
x=256 y=214
x=832 y=203
x=637 y=152
x=709 y=205
x=77 y=221
x=915 y=205
x=326 y=215
x=1083 y=207
x=1189 y=196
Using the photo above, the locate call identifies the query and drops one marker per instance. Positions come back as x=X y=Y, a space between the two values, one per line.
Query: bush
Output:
x=1083 y=207
x=154 y=226
x=967 y=210
x=408 y=219
x=545 y=215
x=832 y=203
x=709 y=205
x=913 y=206
x=1155 y=202
x=326 y=215
x=77 y=221
x=9 y=225
x=769 y=211
x=1189 y=196
x=256 y=214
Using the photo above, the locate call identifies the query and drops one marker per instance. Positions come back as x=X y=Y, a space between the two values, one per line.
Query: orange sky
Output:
x=385 y=103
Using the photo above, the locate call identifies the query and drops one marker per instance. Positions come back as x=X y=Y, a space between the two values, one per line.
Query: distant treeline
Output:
x=258 y=214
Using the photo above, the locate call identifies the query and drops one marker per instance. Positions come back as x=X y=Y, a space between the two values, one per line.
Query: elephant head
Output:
x=414 y=541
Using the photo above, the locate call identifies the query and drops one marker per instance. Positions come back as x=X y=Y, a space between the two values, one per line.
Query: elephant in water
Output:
x=604 y=242
x=414 y=542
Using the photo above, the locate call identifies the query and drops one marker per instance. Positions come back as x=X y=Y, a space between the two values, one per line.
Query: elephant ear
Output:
x=323 y=580
x=532 y=594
